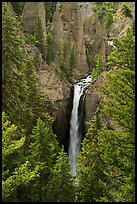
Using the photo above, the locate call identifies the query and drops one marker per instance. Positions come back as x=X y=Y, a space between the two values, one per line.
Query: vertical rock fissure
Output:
x=75 y=130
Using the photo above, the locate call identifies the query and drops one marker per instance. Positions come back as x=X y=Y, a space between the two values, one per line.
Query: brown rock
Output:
x=31 y=10
x=68 y=22
x=122 y=23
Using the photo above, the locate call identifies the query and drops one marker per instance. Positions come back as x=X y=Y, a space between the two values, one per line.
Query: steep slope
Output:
x=118 y=29
x=30 y=11
x=76 y=24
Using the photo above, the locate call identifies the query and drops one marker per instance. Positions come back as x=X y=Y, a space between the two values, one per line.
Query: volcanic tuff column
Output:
x=68 y=22
x=31 y=10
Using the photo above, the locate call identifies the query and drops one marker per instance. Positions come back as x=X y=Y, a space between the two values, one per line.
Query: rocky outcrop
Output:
x=93 y=36
x=53 y=88
x=118 y=30
x=71 y=22
x=31 y=10
x=122 y=23
x=56 y=91
x=59 y=96
x=92 y=101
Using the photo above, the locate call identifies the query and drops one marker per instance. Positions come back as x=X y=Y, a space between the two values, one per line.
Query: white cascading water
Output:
x=75 y=136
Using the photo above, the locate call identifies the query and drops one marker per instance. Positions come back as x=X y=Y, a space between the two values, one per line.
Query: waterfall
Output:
x=75 y=135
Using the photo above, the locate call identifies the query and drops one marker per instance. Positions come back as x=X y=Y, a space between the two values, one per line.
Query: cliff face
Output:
x=122 y=23
x=78 y=25
x=31 y=10
x=118 y=30
x=71 y=22
x=60 y=99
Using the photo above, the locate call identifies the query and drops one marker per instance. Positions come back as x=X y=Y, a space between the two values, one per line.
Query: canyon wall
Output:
x=78 y=25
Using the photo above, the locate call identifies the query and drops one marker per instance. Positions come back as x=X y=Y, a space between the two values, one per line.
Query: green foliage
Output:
x=123 y=55
x=50 y=7
x=43 y=150
x=97 y=67
x=72 y=60
x=60 y=186
x=50 y=54
x=106 y=11
x=36 y=61
x=88 y=55
x=106 y=165
x=122 y=94
x=43 y=140
x=126 y=11
x=12 y=141
x=21 y=177
x=18 y=7
x=29 y=146
x=18 y=81
x=68 y=62
x=15 y=170
x=108 y=21
x=39 y=35
x=64 y=51
x=31 y=39
x=89 y=165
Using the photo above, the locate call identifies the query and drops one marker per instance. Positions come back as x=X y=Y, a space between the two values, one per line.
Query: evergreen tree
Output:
x=64 y=52
x=44 y=149
x=88 y=55
x=72 y=60
x=50 y=54
x=106 y=166
x=97 y=67
x=18 y=7
x=126 y=11
x=39 y=35
x=118 y=147
x=18 y=81
x=60 y=185
x=104 y=9
x=124 y=53
x=16 y=170
x=50 y=7
x=89 y=165
x=68 y=61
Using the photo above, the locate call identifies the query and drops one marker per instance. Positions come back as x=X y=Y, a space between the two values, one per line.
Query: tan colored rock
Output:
x=122 y=23
x=93 y=36
x=31 y=10
x=91 y=104
x=68 y=23
x=53 y=88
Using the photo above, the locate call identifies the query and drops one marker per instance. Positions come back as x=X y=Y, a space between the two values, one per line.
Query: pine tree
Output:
x=123 y=56
x=60 y=185
x=39 y=35
x=89 y=165
x=97 y=67
x=50 y=54
x=18 y=7
x=49 y=10
x=44 y=149
x=72 y=60
x=106 y=165
x=16 y=170
x=18 y=81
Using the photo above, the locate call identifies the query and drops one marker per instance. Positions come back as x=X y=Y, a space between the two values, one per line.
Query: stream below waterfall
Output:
x=75 y=134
